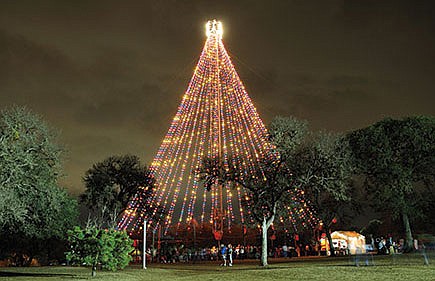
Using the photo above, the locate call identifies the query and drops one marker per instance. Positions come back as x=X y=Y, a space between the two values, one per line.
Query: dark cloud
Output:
x=347 y=81
x=110 y=74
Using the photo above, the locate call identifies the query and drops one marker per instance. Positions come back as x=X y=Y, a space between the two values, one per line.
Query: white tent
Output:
x=355 y=242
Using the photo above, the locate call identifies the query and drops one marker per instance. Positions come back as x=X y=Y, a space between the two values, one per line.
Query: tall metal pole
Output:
x=220 y=187
x=153 y=245
x=145 y=244
x=214 y=29
x=194 y=234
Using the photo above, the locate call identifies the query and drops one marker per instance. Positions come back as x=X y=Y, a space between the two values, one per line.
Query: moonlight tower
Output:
x=216 y=118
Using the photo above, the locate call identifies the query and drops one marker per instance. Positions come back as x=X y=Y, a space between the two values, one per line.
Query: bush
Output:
x=93 y=246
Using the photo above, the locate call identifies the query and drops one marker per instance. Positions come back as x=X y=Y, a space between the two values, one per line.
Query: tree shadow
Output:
x=34 y=274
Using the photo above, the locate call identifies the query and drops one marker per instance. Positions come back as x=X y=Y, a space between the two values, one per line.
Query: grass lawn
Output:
x=400 y=267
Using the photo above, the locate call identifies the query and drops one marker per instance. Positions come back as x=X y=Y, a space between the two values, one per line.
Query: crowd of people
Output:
x=387 y=246
x=226 y=254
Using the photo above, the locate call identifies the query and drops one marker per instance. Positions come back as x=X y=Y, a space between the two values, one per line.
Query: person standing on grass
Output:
x=298 y=250
x=224 y=255
x=284 y=250
x=230 y=255
x=242 y=252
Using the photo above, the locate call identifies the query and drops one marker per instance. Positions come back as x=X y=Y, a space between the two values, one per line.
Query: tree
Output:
x=33 y=208
x=320 y=165
x=264 y=188
x=323 y=168
x=92 y=246
x=112 y=182
x=287 y=134
x=396 y=157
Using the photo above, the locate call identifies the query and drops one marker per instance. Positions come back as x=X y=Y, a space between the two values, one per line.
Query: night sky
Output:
x=110 y=74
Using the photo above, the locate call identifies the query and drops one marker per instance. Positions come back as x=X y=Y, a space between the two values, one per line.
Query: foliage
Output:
x=287 y=134
x=372 y=229
x=264 y=186
x=264 y=189
x=323 y=169
x=112 y=182
x=397 y=158
x=321 y=166
x=32 y=206
x=92 y=246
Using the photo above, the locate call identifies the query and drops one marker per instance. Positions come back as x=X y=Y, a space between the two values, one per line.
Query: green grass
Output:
x=400 y=267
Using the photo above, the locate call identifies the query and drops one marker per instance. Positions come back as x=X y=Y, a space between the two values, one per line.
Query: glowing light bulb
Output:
x=214 y=28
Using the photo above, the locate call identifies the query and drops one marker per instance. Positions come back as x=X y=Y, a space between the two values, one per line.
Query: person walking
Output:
x=224 y=255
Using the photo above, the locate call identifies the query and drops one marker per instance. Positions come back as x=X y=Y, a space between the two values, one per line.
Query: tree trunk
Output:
x=409 y=241
x=94 y=266
x=264 y=228
x=331 y=245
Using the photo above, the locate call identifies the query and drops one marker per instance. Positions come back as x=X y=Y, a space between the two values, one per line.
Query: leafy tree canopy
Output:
x=320 y=164
x=31 y=203
x=92 y=246
x=264 y=187
x=112 y=182
x=30 y=161
x=396 y=156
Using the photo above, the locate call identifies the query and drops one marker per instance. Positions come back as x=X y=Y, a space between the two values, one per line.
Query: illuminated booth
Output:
x=349 y=242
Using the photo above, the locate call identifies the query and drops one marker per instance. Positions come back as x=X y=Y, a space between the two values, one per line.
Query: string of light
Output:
x=216 y=117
